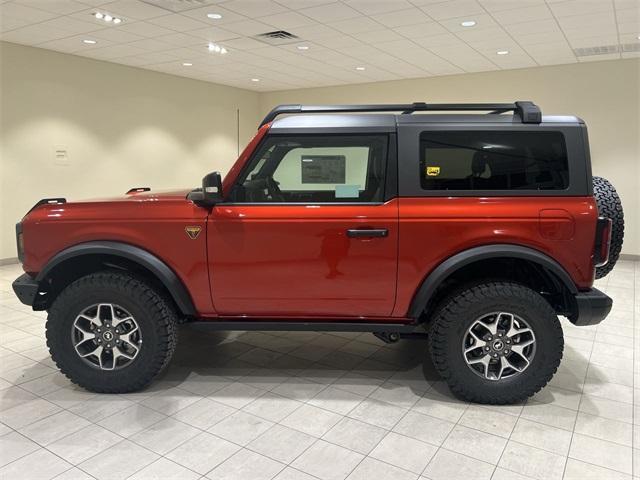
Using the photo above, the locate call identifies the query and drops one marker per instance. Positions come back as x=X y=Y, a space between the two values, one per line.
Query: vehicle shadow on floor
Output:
x=400 y=373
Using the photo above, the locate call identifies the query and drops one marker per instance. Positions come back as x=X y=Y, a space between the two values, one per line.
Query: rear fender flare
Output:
x=452 y=264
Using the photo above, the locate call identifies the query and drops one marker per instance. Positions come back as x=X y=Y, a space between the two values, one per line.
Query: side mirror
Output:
x=211 y=191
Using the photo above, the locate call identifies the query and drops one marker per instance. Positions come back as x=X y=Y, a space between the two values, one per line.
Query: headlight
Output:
x=20 y=242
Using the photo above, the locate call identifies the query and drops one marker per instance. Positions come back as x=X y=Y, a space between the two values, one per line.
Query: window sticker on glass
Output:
x=433 y=171
x=347 y=191
x=323 y=169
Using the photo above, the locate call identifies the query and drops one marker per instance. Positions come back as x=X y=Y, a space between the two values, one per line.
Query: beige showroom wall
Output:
x=604 y=94
x=121 y=127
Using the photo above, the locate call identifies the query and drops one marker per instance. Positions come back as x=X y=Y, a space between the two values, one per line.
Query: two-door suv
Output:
x=476 y=228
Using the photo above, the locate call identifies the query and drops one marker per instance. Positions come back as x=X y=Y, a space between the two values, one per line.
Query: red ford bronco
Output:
x=477 y=230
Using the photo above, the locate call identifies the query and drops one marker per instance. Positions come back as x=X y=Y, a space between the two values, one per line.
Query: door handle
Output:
x=367 y=233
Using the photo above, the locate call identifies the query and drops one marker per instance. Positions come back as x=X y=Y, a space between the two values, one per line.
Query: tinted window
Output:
x=313 y=169
x=493 y=160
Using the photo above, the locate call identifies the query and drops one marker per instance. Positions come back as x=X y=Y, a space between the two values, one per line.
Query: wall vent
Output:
x=598 y=50
x=277 y=37
x=631 y=47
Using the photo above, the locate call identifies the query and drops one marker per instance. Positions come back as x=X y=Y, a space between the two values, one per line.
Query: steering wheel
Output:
x=274 y=190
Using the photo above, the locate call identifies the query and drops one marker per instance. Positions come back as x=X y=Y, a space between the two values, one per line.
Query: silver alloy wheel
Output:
x=499 y=345
x=106 y=336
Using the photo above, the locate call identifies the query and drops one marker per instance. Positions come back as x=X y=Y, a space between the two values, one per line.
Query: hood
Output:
x=137 y=196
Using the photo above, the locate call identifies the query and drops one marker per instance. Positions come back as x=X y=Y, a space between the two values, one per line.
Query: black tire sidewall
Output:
x=549 y=346
x=59 y=335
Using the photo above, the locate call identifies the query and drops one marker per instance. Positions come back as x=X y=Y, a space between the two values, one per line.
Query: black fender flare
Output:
x=484 y=252
x=142 y=257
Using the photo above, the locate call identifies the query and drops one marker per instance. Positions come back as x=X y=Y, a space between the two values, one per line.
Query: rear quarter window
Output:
x=493 y=160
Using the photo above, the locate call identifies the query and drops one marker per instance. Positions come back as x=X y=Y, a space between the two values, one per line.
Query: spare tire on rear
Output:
x=609 y=206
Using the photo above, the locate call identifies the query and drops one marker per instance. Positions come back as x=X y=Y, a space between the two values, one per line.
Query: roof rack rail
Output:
x=528 y=112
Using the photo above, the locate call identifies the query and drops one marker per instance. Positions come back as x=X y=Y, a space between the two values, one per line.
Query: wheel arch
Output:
x=83 y=258
x=485 y=254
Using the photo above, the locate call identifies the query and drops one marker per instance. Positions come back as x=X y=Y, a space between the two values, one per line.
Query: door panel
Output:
x=287 y=260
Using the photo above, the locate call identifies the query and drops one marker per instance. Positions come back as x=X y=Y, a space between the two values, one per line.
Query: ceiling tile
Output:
x=421 y=30
x=16 y=11
x=376 y=36
x=143 y=29
x=503 y=5
x=373 y=7
x=356 y=25
x=254 y=8
x=248 y=27
x=571 y=7
x=332 y=12
x=523 y=15
x=134 y=9
x=177 y=22
x=453 y=9
x=58 y=7
x=287 y=20
x=411 y=16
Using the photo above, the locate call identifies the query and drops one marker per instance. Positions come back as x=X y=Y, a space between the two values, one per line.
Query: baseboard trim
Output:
x=628 y=256
x=8 y=261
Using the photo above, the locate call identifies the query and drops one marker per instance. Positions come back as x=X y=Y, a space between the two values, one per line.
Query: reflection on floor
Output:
x=328 y=406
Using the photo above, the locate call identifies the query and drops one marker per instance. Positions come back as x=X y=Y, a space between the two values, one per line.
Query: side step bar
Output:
x=296 y=326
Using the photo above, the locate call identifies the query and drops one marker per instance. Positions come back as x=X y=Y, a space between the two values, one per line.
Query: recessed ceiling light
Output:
x=215 y=48
x=360 y=69
x=503 y=52
x=107 y=18
x=214 y=16
x=255 y=79
x=187 y=64
x=468 y=23
x=303 y=47
x=89 y=42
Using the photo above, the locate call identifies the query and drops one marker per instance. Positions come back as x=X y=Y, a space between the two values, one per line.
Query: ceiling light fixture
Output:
x=503 y=52
x=187 y=64
x=215 y=48
x=468 y=23
x=214 y=16
x=107 y=18
x=255 y=79
x=303 y=47
x=89 y=42
x=360 y=69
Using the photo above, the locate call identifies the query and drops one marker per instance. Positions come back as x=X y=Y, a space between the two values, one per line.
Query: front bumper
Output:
x=593 y=306
x=26 y=289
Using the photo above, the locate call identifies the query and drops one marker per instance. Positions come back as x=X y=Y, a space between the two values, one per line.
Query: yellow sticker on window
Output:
x=433 y=171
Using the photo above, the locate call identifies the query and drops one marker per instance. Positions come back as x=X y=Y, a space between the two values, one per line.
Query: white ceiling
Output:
x=392 y=39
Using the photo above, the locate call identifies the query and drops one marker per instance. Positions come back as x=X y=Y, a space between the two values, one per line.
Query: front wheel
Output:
x=496 y=343
x=110 y=332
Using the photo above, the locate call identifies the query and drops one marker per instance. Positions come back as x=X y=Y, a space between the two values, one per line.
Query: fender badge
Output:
x=193 y=232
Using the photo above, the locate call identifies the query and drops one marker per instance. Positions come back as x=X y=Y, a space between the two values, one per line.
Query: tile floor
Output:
x=296 y=406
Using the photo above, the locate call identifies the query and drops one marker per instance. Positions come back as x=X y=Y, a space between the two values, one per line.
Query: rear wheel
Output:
x=110 y=332
x=496 y=343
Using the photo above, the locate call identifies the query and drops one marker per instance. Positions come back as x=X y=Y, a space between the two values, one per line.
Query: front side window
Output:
x=315 y=169
x=493 y=160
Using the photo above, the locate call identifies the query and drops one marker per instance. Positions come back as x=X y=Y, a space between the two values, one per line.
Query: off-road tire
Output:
x=610 y=206
x=154 y=315
x=456 y=314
